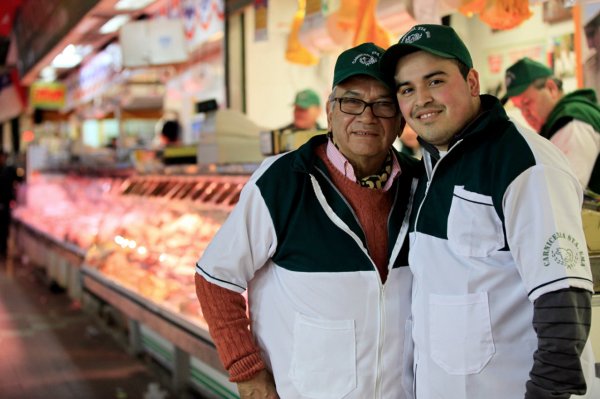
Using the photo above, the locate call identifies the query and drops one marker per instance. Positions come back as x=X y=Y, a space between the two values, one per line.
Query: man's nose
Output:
x=423 y=96
x=368 y=112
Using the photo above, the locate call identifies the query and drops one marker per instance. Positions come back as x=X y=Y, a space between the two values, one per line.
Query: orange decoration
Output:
x=498 y=14
x=367 y=28
x=295 y=51
x=346 y=14
x=470 y=7
x=505 y=14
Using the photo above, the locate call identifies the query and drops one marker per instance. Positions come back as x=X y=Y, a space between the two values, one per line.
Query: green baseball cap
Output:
x=307 y=98
x=360 y=60
x=440 y=40
x=522 y=73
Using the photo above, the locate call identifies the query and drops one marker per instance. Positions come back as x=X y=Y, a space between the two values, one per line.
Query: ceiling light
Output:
x=114 y=24
x=132 y=4
x=68 y=58
x=48 y=74
x=71 y=56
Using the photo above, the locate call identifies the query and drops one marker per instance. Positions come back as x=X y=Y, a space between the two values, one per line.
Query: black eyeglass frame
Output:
x=365 y=105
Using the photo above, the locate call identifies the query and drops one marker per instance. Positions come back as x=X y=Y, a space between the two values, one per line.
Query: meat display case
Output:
x=131 y=243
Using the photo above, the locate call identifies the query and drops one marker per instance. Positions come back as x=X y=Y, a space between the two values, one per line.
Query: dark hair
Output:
x=462 y=67
x=170 y=131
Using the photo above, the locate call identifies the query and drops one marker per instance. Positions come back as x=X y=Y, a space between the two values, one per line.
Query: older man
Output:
x=571 y=122
x=318 y=239
x=501 y=277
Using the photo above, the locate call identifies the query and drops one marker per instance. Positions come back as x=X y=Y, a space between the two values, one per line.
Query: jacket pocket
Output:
x=474 y=228
x=460 y=332
x=323 y=357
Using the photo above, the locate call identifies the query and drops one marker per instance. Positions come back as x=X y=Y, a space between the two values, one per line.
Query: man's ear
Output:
x=552 y=88
x=473 y=82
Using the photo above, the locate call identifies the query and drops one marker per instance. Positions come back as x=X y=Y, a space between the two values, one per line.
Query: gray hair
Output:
x=331 y=98
x=541 y=82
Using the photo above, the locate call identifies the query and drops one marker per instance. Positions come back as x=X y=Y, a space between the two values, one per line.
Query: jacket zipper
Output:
x=339 y=222
x=343 y=226
x=430 y=174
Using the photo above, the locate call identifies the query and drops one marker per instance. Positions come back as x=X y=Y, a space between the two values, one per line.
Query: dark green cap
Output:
x=435 y=39
x=522 y=73
x=360 y=60
x=307 y=98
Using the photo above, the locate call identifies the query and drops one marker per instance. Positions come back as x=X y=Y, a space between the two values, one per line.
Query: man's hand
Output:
x=261 y=386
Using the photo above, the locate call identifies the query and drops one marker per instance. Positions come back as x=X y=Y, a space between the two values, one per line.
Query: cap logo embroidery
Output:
x=415 y=34
x=413 y=37
x=510 y=77
x=367 y=59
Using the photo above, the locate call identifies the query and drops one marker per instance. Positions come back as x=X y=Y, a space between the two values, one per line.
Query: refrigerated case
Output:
x=131 y=243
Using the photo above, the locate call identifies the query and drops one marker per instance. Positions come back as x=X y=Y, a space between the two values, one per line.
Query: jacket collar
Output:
x=484 y=124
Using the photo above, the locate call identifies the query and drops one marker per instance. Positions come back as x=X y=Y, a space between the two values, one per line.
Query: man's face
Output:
x=592 y=34
x=365 y=137
x=436 y=101
x=535 y=105
x=306 y=118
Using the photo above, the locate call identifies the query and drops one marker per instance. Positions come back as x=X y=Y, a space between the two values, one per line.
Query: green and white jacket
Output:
x=327 y=326
x=496 y=223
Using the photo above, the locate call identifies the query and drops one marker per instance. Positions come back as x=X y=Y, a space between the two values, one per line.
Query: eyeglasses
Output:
x=354 y=106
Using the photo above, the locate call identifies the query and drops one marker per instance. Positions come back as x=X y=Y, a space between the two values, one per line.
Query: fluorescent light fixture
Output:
x=48 y=74
x=114 y=24
x=132 y=4
x=68 y=58
x=71 y=56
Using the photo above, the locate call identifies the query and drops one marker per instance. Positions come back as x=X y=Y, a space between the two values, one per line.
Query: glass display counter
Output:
x=132 y=243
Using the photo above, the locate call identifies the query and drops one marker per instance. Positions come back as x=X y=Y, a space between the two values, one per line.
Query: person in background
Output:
x=170 y=133
x=591 y=67
x=8 y=180
x=318 y=241
x=501 y=304
x=571 y=121
x=307 y=109
x=409 y=143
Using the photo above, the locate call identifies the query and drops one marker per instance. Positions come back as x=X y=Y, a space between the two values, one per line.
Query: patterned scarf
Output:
x=377 y=181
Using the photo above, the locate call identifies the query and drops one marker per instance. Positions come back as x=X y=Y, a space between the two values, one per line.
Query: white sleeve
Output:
x=243 y=244
x=542 y=211
x=581 y=145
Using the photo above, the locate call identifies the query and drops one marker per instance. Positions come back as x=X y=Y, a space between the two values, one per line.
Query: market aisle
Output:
x=50 y=348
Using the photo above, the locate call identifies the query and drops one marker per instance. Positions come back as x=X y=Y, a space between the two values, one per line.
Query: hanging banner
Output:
x=260 y=20
x=47 y=95
x=202 y=19
x=313 y=16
